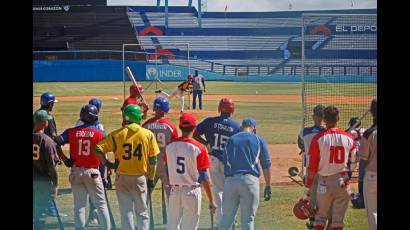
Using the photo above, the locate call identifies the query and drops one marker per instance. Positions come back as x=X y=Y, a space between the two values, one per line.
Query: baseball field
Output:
x=275 y=106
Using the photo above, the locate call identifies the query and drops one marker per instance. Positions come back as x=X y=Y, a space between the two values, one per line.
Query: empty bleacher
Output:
x=83 y=28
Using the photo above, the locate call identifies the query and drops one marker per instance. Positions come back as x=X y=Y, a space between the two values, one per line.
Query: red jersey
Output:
x=185 y=157
x=132 y=101
x=82 y=141
x=163 y=129
x=330 y=152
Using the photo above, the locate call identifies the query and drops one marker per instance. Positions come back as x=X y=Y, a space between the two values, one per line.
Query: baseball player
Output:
x=187 y=165
x=243 y=151
x=164 y=131
x=45 y=179
x=330 y=152
x=198 y=88
x=357 y=134
x=85 y=177
x=368 y=152
x=134 y=99
x=136 y=150
x=47 y=101
x=304 y=138
x=93 y=212
x=180 y=91
x=217 y=131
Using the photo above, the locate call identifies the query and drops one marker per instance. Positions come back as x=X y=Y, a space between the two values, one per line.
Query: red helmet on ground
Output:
x=226 y=105
x=303 y=210
x=190 y=77
x=134 y=91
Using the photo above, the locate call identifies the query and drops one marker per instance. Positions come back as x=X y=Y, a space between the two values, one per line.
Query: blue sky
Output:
x=260 y=5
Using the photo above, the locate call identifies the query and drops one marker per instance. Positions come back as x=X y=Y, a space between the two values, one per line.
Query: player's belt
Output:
x=84 y=167
x=184 y=186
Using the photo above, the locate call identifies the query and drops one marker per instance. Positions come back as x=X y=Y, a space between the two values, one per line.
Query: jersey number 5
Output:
x=128 y=148
x=221 y=139
x=180 y=162
x=337 y=154
x=36 y=152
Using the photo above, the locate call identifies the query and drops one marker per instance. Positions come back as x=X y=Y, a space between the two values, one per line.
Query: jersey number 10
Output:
x=337 y=154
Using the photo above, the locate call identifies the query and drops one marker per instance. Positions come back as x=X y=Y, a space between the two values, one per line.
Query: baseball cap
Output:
x=249 y=122
x=41 y=115
x=187 y=120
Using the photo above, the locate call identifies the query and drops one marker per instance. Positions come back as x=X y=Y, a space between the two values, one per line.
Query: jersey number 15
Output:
x=221 y=139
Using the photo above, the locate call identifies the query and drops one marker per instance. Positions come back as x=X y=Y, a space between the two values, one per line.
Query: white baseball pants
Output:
x=132 y=193
x=83 y=185
x=184 y=208
x=370 y=198
x=218 y=181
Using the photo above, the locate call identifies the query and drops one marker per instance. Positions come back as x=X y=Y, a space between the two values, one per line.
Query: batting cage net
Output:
x=339 y=64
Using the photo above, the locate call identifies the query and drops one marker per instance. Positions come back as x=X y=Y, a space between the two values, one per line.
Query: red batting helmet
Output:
x=190 y=77
x=226 y=105
x=303 y=210
x=134 y=91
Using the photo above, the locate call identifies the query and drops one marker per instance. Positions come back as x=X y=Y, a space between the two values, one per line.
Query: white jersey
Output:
x=330 y=152
x=306 y=135
x=185 y=157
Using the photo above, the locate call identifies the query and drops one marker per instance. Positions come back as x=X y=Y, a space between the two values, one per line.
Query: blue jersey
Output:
x=217 y=131
x=243 y=152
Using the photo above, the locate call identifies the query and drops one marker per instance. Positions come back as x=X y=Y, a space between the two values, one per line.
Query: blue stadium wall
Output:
x=110 y=70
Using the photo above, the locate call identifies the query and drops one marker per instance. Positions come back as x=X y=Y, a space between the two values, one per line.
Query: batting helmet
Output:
x=226 y=105
x=373 y=107
x=132 y=114
x=96 y=102
x=303 y=210
x=47 y=98
x=161 y=104
x=190 y=77
x=134 y=91
x=353 y=121
x=89 y=114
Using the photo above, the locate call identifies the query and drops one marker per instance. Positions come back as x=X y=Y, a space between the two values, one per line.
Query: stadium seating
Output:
x=253 y=42
x=83 y=28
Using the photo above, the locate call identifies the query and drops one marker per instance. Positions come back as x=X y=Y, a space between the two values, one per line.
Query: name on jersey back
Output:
x=223 y=127
x=156 y=126
x=83 y=133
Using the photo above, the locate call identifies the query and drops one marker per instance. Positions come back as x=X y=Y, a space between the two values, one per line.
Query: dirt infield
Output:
x=243 y=98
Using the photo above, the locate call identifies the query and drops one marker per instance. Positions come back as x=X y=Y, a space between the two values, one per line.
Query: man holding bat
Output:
x=135 y=98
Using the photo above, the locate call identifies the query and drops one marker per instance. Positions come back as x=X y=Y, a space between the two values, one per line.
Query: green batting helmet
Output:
x=132 y=114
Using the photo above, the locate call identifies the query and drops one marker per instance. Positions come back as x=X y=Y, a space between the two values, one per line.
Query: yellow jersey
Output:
x=132 y=145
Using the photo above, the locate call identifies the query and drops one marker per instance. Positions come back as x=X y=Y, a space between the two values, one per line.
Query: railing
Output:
x=224 y=69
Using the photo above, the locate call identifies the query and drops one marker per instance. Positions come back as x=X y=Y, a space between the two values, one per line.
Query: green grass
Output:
x=277 y=123
x=274 y=214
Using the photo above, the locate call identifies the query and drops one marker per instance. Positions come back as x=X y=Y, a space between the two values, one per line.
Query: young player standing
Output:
x=135 y=149
x=185 y=86
x=330 y=152
x=243 y=152
x=217 y=131
x=85 y=177
x=45 y=179
x=368 y=152
x=187 y=167
x=134 y=99
x=304 y=139
x=164 y=131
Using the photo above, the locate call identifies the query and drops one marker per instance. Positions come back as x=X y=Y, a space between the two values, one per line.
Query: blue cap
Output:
x=249 y=121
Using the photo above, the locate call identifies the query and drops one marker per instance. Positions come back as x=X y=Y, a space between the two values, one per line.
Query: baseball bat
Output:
x=212 y=221
x=151 y=212
x=164 y=207
x=357 y=122
x=131 y=75
x=60 y=223
x=113 y=225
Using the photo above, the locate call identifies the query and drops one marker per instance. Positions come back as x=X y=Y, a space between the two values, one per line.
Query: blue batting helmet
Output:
x=89 y=114
x=46 y=98
x=161 y=104
x=96 y=102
